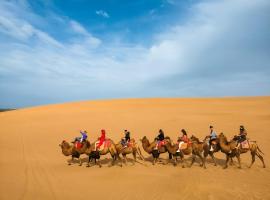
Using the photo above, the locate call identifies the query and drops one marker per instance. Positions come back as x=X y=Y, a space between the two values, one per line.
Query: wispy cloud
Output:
x=102 y=13
x=172 y=2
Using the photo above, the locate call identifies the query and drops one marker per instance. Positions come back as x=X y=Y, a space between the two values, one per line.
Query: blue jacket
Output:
x=84 y=135
x=213 y=135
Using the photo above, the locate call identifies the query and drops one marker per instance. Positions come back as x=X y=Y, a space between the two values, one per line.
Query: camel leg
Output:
x=98 y=162
x=252 y=159
x=113 y=159
x=134 y=156
x=192 y=160
x=125 y=158
x=140 y=153
x=117 y=156
x=80 y=161
x=89 y=160
x=203 y=161
x=154 y=161
x=71 y=161
x=175 y=161
x=231 y=161
x=182 y=159
x=239 y=160
x=227 y=160
x=261 y=158
x=213 y=158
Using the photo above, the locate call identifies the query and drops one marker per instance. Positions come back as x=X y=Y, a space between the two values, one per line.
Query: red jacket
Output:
x=102 y=138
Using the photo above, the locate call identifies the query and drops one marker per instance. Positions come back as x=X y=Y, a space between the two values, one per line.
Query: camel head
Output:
x=64 y=144
x=144 y=139
x=207 y=138
x=168 y=140
x=194 y=139
x=222 y=137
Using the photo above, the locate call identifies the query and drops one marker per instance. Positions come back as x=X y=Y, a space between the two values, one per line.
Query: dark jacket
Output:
x=127 y=136
x=161 y=136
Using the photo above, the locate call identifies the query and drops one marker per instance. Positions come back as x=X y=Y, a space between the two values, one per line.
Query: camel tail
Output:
x=260 y=150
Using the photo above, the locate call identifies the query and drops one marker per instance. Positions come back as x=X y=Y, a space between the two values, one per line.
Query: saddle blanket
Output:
x=184 y=146
x=78 y=145
x=161 y=143
x=245 y=144
x=106 y=143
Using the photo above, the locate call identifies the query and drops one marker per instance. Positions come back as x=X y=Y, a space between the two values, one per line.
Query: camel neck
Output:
x=171 y=148
x=146 y=146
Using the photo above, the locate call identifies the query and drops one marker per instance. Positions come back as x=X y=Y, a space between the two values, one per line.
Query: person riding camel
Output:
x=160 y=138
x=126 y=139
x=84 y=136
x=213 y=137
x=242 y=136
x=101 y=140
x=183 y=139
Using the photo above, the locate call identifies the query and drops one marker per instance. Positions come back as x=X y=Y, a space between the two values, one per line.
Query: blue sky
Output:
x=54 y=51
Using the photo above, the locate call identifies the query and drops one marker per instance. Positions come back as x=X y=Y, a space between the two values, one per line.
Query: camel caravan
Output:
x=177 y=151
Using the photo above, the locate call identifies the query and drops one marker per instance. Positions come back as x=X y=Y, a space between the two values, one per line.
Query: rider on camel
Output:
x=213 y=136
x=242 y=136
x=101 y=140
x=126 y=139
x=183 y=139
x=82 y=138
x=160 y=138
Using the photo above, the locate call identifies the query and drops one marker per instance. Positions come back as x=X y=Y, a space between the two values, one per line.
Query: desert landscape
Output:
x=32 y=165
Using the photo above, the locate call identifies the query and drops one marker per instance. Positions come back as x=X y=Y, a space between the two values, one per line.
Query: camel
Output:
x=230 y=150
x=195 y=149
x=150 y=148
x=70 y=150
x=95 y=154
x=132 y=148
x=206 y=147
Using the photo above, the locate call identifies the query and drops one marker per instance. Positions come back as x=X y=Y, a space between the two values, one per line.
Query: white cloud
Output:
x=102 y=13
x=78 y=28
x=87 y=39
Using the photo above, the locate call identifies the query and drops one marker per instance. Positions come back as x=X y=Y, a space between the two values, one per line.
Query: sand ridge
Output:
x=32 y=166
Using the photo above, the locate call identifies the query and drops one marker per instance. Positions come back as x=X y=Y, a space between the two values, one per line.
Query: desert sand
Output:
x=33 y=167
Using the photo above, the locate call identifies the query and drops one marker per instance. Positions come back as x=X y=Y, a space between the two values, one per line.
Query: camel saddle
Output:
x=214 y=142
x=245 y=145
x=129 y=144
x=161 y=143
x=78 y=145
x=106 y=144
x=184 y=146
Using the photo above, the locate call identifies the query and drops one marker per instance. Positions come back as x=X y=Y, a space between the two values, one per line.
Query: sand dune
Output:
x=33 y=167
